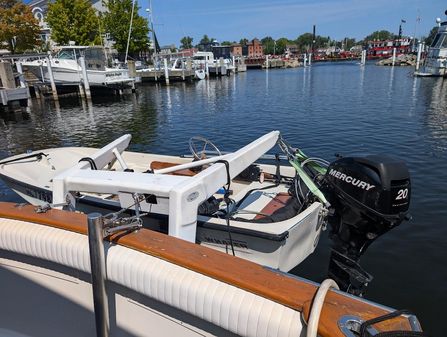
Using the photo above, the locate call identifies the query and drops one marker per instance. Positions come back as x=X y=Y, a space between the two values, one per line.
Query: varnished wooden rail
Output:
x=279 y=287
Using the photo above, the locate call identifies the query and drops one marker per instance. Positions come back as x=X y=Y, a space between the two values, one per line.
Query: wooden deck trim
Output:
x=235 y=271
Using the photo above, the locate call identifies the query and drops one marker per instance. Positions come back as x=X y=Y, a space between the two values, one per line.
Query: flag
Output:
x=403 y=21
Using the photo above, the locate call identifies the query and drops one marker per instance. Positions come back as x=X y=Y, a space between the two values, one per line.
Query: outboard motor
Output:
x=369 y=195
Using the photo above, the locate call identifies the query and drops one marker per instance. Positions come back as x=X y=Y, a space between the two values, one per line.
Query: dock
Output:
x=12 y=86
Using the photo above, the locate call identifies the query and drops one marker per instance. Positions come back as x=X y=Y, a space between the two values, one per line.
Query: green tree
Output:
x=73 y=20
x=18 y=27
x=205 y=42
x=305 y=41
x=243 y=41
x=186 y=42
x=117 y=22
x=379 y=35
x=226 y=43
x=281 y=44
x=268 y=45
x=431 y=36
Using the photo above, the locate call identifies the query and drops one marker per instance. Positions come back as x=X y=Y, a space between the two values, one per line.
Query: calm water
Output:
x=331 y=108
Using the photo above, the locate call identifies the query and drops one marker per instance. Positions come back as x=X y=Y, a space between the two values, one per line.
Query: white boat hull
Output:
x=72 y=74
x=280 y=245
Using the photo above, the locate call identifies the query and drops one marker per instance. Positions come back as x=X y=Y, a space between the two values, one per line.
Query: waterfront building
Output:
x=384 y=48
x=255 y=49
x=236 y=49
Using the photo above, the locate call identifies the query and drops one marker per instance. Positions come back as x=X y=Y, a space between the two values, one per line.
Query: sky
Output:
x=235 y=19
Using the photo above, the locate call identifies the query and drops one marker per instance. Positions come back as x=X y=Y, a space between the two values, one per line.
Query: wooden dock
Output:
x=160 y=76
x=10 y=90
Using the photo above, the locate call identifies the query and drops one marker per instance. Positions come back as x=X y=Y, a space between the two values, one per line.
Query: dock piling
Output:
x=363 y=58
x=305 y=60
x=418 y=60
x=394 y=56
x=165 y=62
x=88 y=94
x=50 y=75
x=7 y=75
x=310 y=59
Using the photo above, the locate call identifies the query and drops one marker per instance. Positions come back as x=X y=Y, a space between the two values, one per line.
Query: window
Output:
x=444 y=42
x=436 y=40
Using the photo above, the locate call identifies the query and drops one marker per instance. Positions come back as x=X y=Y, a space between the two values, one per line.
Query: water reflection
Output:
x=323 y=109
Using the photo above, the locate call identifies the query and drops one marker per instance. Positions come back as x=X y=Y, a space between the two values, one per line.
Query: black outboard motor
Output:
x=369 y=196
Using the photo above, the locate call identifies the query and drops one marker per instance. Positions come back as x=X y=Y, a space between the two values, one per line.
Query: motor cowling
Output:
x=369 y=196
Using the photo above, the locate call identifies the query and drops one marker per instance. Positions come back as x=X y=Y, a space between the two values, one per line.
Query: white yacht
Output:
x=66 y=67
x=436 y=60
x=217 y=67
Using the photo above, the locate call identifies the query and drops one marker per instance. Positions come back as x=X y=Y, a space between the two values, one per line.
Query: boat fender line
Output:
x=317 y=305
x=91 y=161
x=399 y=333
x=37 y=155
x=227 y=200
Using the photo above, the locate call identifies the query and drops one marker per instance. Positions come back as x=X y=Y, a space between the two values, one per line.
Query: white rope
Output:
x=317 y=305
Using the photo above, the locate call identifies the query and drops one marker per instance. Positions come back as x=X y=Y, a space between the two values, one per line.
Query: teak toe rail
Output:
x=294 y=293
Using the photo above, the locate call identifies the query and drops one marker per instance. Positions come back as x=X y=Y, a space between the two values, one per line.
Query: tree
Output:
x=73 y=20
x=431 y=36
x=268 y=45
x=379 y=35
x=305 y=41
x=186 y=42
x=243 y=41
x=117 y=21
x=18 y=27
x=205 y=43
x=281 y=45
x=226 y=43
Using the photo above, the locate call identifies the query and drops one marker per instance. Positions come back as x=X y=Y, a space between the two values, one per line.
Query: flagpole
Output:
x=130 y=31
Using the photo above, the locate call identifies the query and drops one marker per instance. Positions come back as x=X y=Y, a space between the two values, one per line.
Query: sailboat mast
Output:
x=130 y=31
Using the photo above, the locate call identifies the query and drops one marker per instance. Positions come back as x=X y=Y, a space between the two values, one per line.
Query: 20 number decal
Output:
x=402 y=194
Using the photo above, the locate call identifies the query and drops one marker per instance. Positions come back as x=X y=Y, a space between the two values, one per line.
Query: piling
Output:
x=88 y=94
x=183 y=69
x=165 y=62
x=418 y=60
x=222 y=67
x=304 y=60
x=266 y=61
x=21 y=77
x=207 y=69
x=363 y=58
x=132 y=72
x=50 y=75
x=310 y=59
x=7 y=76
x=394 y=56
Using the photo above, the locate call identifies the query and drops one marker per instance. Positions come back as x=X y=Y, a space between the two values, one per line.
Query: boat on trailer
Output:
x=60 y=275
x=271 y=214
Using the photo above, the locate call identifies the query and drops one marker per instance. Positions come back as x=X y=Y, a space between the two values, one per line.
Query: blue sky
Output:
x=234 y=19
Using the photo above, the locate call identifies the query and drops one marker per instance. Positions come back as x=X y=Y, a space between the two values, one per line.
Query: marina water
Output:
x=326 y=109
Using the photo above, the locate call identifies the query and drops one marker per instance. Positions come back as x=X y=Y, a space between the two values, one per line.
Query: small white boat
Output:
x=62 y=277
x=66 y=68
x=269 y=214
x=262 y=221
x=435 y=63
